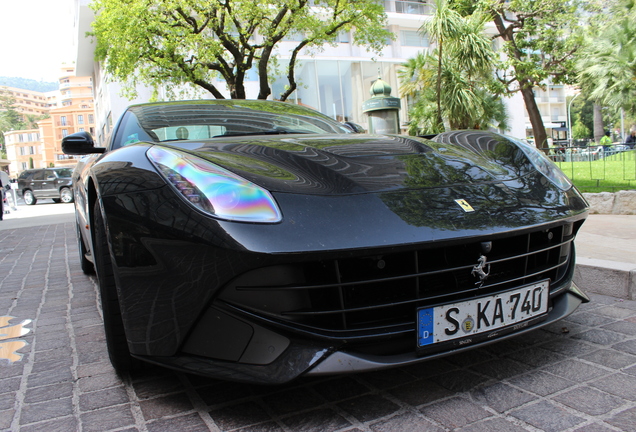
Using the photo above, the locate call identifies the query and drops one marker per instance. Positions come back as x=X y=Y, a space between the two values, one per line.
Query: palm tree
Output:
x=445 y=23
x=455 y=84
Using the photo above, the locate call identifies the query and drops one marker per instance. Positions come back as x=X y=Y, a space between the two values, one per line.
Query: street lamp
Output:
x=570 y=117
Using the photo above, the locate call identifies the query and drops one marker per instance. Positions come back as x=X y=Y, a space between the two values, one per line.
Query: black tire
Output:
x=56 y=200
x=29 y=198
x=116 y=341
x=66 y=195
x=87 y=266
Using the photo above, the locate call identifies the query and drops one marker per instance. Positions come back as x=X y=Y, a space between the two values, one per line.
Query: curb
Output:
x=615 y=279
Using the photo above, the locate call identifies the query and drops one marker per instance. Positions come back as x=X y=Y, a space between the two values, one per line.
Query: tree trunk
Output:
x=538 y=129
x=598 y=123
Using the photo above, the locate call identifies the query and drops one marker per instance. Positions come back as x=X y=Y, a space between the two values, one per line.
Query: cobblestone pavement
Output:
x=578 y=375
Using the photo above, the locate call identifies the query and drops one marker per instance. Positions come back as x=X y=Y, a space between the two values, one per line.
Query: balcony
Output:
x=409 y=7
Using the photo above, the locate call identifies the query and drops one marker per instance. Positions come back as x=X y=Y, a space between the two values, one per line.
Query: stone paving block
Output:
x=610 y=358
x=321 y=420
x=53 y=376
x=546 y=416
x=619 y=384
x=420 y=392
x=589 y=401
x=627 y=346
x=405 y=422
x=541 y=383
x=272 y=427
x=49 y=392
x=47 y=410
x=460 y=381
x=101 y=381
x=576 y=371
x=107 y=418
x=625 y=420
x=591 y=319
x=165 y=406
x=103 y=398
x=615 y=312
x=492 y=425
x=626 y=327
x=501 y=368
x=6 y=417
x=369 y=407
x=455 y=412
x=594 y=427
x=59 y=424
x=239 y=415
x=500 y=397
x=536 y=356
x=187 y=423
x=224 y=393
x=601 y=336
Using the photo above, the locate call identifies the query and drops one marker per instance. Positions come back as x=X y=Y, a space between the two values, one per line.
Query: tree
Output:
x=10 y=118
x=175 y=42
x=540 y=40
x=606 y=62
x=455 y=84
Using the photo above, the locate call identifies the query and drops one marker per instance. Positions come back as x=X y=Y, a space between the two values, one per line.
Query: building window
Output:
x=91 y=119
x=64 y=132
x=31 y=150
x=81 y=129
x=80 y=119
x=413 y=38
x=24 y=165
x=63 y=121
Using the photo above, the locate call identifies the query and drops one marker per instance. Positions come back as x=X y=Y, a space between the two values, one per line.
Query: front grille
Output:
x=376 y=294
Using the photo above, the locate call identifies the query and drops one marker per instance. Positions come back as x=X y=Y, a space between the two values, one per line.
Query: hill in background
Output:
x=28 y=84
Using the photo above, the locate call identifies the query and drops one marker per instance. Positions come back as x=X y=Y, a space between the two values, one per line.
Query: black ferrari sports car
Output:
x=261 y=241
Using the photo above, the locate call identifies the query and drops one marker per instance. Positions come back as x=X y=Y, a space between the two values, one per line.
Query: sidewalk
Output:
x=606 y=256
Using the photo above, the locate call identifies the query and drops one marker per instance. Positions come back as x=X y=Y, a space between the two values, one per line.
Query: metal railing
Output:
x=599 y=167
x=409 y=7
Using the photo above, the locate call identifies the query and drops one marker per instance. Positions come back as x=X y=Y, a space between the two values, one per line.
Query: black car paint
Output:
x=174 y=260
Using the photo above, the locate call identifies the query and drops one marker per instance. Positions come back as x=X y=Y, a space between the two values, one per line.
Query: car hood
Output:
x=357 y=163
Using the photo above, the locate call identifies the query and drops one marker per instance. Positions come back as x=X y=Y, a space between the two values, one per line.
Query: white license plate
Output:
x=471 y=317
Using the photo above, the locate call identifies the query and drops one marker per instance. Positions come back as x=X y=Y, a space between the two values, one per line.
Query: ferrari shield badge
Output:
x=464 y=205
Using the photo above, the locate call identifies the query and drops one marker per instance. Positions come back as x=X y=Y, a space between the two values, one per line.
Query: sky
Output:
x=36 y=37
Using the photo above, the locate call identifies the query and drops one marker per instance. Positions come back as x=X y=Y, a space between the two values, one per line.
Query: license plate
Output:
x=471 y=317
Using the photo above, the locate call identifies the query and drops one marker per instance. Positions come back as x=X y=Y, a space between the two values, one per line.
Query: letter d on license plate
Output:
x=471 y=317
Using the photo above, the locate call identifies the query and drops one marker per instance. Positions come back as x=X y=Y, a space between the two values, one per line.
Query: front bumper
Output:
x=300 y=358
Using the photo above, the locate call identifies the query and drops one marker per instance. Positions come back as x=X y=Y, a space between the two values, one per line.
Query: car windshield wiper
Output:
x=273 y=132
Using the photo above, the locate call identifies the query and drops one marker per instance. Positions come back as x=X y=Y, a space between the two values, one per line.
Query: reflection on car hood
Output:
x=349 y=164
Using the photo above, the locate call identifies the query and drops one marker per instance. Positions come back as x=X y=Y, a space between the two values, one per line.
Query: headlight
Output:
x=545 y=166
x=213 y=189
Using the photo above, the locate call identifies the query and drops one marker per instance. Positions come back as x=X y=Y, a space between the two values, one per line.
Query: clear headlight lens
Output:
x=213 y=189
x=545 y=166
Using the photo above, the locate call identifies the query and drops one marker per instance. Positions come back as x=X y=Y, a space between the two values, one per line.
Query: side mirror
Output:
x=80 y=143
x=356 y=128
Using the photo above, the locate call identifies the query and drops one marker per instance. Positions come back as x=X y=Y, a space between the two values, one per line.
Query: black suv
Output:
x=52 y=183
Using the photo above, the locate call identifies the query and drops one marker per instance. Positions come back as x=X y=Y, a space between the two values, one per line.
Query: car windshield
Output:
x=217 y=119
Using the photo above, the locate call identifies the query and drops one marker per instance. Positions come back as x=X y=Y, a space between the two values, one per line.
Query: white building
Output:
x=335 y=81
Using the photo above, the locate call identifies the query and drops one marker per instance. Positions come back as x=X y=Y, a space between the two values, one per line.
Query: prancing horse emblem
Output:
x=481 y=270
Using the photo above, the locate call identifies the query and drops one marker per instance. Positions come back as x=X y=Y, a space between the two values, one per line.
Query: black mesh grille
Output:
x=378 y=294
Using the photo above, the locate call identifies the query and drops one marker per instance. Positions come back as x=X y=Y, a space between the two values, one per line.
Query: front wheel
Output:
x=66 y=195
x=116 y=341
x=29 y=198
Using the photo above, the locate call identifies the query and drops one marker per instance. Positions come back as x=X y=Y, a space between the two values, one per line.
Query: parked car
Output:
x=54 y=183
x=261 y=241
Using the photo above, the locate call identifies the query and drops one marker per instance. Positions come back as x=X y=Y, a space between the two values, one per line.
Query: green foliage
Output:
x=607 y=59
x=455 y=84
x=540 y=38
x=10 y=118
x=580 y=131
x=175 y=42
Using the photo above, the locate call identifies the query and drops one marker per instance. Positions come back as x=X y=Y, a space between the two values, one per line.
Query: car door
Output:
x=48 y=187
